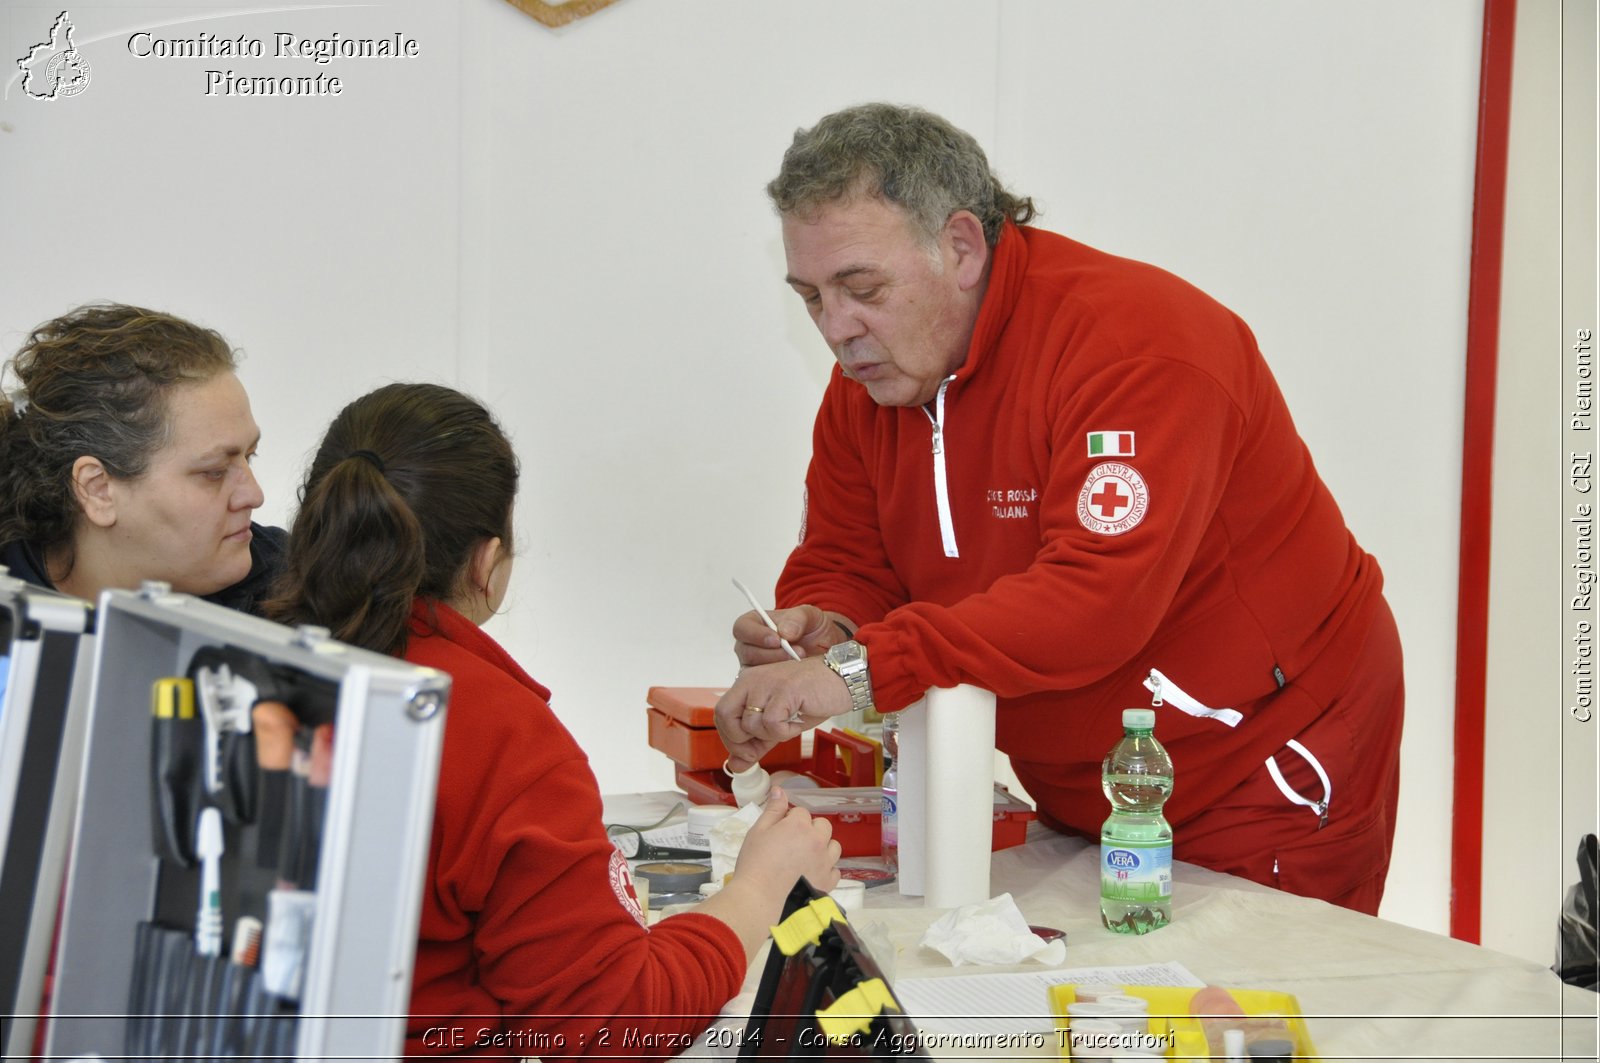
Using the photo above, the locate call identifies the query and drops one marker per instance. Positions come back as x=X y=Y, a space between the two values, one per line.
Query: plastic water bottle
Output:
x=1136 y=841
x=891 y=791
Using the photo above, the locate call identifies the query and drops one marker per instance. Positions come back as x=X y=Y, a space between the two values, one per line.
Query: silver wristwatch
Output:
x=849 y=661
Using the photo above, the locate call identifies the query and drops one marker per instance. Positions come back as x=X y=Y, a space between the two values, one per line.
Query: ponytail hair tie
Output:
x=369 y=456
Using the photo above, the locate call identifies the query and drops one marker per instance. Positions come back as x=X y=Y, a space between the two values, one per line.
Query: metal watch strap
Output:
x=857 y=680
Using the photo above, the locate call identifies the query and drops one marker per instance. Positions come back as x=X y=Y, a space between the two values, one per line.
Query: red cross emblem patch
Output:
x=622 y=886
x=1114 y=499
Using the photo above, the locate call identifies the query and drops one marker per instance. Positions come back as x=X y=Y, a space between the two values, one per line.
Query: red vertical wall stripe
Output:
x=1477 y=468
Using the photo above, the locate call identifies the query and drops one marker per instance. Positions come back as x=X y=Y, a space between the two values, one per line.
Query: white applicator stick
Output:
x=790 y=650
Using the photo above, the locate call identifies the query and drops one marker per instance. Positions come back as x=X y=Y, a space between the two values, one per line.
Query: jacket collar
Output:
x=434 y=619
x=26 y=562
x=1008 y=266
x=23 y=562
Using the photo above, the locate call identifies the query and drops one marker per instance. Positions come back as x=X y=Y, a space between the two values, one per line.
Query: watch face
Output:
x=845 y=653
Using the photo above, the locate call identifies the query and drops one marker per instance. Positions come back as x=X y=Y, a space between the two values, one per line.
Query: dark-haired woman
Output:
x=531 y=937
x=125 y=448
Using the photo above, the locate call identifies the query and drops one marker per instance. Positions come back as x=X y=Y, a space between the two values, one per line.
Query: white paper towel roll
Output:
x=911 y=804
x=946 y=800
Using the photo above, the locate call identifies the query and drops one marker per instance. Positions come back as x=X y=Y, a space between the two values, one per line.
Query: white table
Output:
x=1369 y=989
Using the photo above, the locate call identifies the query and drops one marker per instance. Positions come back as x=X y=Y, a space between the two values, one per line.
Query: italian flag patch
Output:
x=1110 y=444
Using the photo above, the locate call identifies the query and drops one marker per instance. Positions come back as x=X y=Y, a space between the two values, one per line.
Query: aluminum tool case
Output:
x=41 y=736
x=388 y=720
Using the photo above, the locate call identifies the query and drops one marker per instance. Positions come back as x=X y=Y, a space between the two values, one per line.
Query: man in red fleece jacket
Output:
x=1071 y=479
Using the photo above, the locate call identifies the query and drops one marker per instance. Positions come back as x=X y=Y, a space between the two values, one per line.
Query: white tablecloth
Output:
x=1369 y=989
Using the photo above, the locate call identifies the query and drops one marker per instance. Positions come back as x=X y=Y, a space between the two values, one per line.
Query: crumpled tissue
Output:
x=992 y=932
x=727 y=838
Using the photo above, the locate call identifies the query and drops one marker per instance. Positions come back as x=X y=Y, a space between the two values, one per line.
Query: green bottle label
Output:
x=1135 y=873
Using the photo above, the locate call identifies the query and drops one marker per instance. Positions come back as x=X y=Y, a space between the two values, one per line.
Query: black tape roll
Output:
x=674 y=876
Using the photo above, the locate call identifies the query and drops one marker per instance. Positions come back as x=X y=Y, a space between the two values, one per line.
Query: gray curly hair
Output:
x=904 y=155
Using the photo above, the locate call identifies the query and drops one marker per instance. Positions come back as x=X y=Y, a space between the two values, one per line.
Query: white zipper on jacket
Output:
x=941 y=489
x=1165 y=689
x=1319 y=807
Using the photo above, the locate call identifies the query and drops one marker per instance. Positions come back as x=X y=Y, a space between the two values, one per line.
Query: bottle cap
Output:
x=1139 y=719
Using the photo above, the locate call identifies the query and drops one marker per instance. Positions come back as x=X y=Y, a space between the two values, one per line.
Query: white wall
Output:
x=571 y=224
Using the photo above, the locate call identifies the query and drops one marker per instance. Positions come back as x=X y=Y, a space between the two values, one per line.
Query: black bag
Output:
x=1577 y=944
x=800 y=985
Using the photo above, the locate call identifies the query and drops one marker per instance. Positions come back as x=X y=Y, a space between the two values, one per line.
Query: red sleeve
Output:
x=558 y=945
x=1089 y=601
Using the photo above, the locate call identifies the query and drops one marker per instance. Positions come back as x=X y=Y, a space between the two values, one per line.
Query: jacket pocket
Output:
x=1336 y=861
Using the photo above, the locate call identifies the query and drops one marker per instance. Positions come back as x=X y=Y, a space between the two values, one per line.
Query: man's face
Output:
x=895 y=311
x=187 y=519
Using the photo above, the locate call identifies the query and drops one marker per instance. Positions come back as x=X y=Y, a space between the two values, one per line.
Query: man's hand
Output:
x=771 y=703
x=809 y=630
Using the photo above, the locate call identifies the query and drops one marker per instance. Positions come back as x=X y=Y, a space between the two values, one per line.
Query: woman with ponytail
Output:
x=531 y=934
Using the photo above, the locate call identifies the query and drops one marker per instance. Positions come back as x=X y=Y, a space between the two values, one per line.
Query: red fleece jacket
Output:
x=1127 y=492
x=531 y=943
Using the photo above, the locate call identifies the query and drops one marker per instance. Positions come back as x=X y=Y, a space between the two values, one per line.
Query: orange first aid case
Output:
x=839 y=758
x=683 y=725
x=857 y=817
